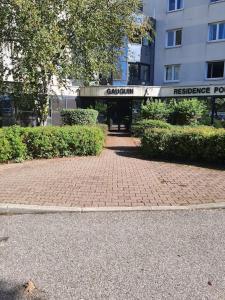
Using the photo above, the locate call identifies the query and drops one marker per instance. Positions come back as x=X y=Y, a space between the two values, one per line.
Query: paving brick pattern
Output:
x=118 y=177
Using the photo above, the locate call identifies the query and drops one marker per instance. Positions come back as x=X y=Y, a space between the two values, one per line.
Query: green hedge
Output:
x=185 y=144
x=104 y=128
x=79 y=116
x=177 y=112
x=187 y=111
x=156 y=110
x=11 y=144
x=139 y=128
x=17 y=144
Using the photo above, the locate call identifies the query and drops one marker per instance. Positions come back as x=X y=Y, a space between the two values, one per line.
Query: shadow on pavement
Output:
x=119 y=134
x=9 y=291
x=131 y=152
x=135 y=152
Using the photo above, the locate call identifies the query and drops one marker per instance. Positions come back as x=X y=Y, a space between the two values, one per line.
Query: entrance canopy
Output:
x=152 y=91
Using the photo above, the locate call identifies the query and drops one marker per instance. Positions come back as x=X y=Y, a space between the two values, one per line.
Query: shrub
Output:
x=219 y=123
x=182 y=112
x=156 y=111
x=47 y=142
x=79 y=116
x=42 y=142
x=5 y=149
x=139 y=128
x=185 y=144
x=51 y=142
x=85 y=140
x=104 y=128
x=11 y=145
x=186 y=112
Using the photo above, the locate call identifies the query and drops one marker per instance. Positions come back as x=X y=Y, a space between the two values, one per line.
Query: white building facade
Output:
x=189 y=41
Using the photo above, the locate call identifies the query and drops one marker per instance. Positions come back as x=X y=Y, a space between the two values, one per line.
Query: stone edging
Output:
x=11 y=209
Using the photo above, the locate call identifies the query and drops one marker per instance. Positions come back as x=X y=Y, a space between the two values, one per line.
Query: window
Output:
x=172 y=73
x=138 y=74
x=174 y=38
x=215 y=70
x=175 y=5
x=212 y=1
x=133 y=73
x=145 y=73
x=117 y=75
x=217 y=31
x=6 y=107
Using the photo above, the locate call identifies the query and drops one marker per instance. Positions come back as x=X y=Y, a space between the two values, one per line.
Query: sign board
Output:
x=194 y=91
x=152 y=91
x=120 y=91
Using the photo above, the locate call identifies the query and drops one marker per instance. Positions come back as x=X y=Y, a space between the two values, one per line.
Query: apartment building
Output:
x=136 y=63
x=189 y=42
x=186 y=59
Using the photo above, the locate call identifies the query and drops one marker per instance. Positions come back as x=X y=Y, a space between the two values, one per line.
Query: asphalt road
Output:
x=145 y=255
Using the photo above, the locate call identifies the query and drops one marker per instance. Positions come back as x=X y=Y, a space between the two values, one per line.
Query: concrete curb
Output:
x=10 y=209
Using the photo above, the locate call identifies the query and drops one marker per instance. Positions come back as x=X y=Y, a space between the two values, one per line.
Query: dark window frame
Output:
x=139 y=80
x=210 y=71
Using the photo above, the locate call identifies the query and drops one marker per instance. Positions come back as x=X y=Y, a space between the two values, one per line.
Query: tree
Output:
x=33 y=33
x=56 y=39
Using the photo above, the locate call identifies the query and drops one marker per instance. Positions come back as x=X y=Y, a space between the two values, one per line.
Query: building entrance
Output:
x=116 y=113
x=119 y=114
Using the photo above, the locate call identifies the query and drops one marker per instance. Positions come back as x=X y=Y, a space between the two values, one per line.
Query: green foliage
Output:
x=79 y=116
x=156 y=111
x=185 y=144
x=141 y=29
x=206 y=120
x=219 y=123
x=11 y=144
x=58 y=39
x=180 y=112
x=187 y=111
x=18 y=148
x=43 y=142
x=63 y=141
x=101 y=107
x=104 y=128
x=46 y=142
x=5 y=149
x=139 y=128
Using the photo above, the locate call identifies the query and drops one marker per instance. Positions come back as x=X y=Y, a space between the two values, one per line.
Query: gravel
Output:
x=136 y=255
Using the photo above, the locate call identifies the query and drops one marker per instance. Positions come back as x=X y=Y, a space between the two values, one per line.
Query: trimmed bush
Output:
x=5 y=149
x=187 y=111
x=180 y=112
x=156 y=111
x=104 y=128
x=185 y=144
x=48 y=142
x=139 y=128
x=11 y=144
x=79 y=116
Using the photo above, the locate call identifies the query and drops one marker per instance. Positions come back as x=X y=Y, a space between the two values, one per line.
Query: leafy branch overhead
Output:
x=58 y=39
x=65 y=37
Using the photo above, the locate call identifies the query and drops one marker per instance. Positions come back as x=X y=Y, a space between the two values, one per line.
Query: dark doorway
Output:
x=119 y=114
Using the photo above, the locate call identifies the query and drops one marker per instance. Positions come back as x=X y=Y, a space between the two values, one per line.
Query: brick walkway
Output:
x=116 y=178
